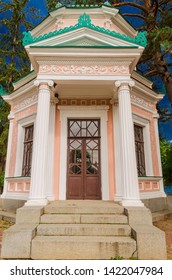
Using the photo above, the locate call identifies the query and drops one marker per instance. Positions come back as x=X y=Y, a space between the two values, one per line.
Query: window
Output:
x=139 y=146
x=27 y=151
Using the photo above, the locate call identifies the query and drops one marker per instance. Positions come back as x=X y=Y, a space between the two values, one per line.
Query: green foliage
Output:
x=117 y=258
x=16 y=16
x=166 y=158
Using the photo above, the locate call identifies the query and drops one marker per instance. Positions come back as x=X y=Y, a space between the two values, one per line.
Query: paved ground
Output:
x=165 y=225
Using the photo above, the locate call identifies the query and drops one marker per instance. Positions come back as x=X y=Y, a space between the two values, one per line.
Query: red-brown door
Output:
x=83 y=166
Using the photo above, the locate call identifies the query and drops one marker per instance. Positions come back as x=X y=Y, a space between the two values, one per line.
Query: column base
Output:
x=37 y=202
x=50 y=198
x=132 y=202
x=118 y=198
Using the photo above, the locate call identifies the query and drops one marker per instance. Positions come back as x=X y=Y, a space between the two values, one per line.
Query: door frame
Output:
x=83 y=176
x=89 y=112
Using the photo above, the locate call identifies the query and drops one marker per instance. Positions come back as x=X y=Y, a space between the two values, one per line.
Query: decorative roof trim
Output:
x=86 y=47
x=2 y=91
x=85 y=21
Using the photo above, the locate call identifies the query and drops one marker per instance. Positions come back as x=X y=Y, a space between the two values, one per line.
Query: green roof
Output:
x=2 y=91
x=85 y=21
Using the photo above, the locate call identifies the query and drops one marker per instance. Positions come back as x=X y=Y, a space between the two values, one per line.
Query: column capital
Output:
x=38 y=83
x=11 y=116
x=156 y=116
x=124 y=83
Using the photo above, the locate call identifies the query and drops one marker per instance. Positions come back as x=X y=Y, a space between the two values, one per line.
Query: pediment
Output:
x=83 y=37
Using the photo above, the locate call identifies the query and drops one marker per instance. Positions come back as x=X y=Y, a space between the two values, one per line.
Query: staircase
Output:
x=74 y=230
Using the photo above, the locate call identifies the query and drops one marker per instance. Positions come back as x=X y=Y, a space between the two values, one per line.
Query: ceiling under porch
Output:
x=84 y=89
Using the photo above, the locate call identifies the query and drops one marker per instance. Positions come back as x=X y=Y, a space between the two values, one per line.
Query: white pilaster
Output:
x=38 y=185
x=156 y=117
x=9 y=146
x=117 y=153
x=129 y=176
x=50 y=155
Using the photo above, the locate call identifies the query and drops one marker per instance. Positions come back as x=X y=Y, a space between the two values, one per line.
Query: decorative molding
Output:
x=149 y=185
x=85 y=21
x=27 y=102
x=87 y=102
x=18 y=185
x=137 y=100
x=82 y=108
x=83 y=70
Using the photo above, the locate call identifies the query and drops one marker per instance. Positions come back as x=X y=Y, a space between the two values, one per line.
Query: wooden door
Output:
x=83 y=165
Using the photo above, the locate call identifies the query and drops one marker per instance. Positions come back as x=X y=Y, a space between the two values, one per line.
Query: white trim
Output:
x=15 y=196
x=147 y=144
x=149 y=195
x=22 y=123
x=9 y=149
x=83 y=112
x=117 y=153
x=157 y=143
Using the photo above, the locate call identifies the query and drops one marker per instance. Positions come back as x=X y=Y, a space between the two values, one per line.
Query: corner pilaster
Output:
x=9 y=146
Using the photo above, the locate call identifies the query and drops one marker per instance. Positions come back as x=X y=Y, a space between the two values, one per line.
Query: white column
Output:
x=50 y=156
x=9 y=146
x=156 y=117
x=38 y=185
x=129 y=176
x=117 y=153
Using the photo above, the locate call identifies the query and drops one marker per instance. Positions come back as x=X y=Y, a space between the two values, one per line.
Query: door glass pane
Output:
x=92 y=157
x=84 y=128
x=75 y=156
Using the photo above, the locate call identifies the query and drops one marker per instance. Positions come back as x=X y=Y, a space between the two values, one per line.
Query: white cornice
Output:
x=21 y=93
x=131 y=55
x=149 y=93
x=142 y=79
x=24 y=80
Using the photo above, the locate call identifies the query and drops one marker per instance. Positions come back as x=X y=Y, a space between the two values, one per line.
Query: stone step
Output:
x=74 y=209
x=81 y=247
x=83 y=230
x=83 y=219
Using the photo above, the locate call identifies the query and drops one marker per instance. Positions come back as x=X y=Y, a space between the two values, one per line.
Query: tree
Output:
x=154 y=16
x=166 y=159
x=16 y=16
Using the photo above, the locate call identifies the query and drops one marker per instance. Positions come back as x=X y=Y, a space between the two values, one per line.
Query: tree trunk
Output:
x=164 y=73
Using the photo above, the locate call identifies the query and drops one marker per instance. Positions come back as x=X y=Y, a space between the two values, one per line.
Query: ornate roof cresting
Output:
x=85 y=21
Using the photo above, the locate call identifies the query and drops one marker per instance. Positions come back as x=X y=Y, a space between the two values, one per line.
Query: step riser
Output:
x=83 y=219
x=83 y=210
x=59 y=230
x=81 y=251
